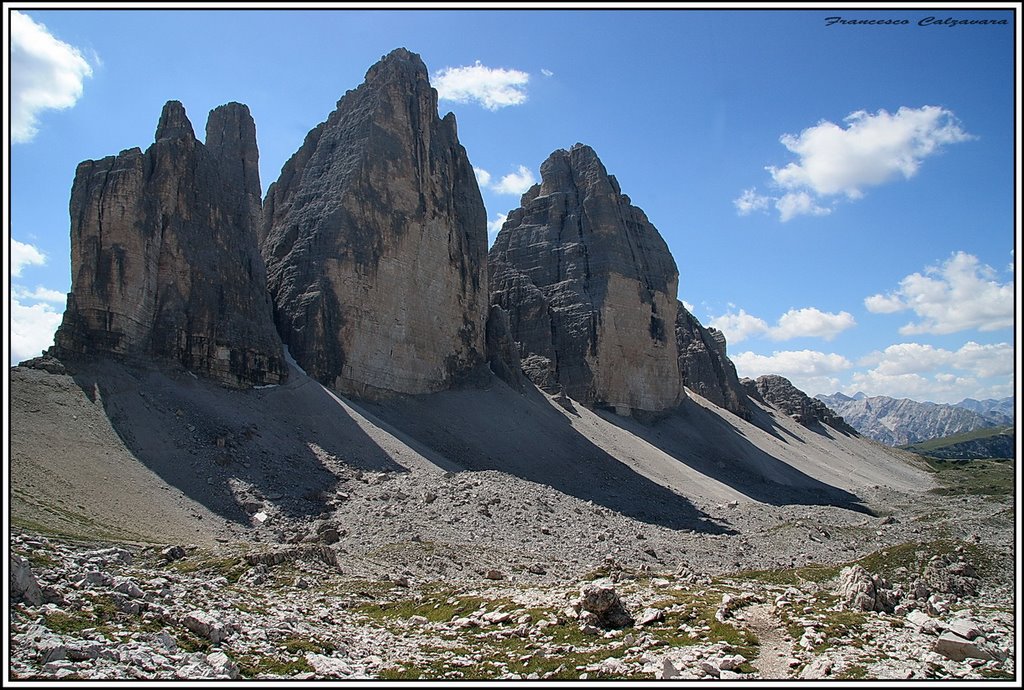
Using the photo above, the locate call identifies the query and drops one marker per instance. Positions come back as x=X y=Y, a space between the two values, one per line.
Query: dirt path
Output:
x=775 y=646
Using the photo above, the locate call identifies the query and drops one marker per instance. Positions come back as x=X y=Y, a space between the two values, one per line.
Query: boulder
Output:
x=375 y=240
x=859 y=590
x=23 y=582
x=164 y=259
x=954 y=647
x=590 y=289
x=601 y=600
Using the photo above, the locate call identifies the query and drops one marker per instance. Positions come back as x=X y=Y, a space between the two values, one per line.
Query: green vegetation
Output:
x=252 y=666
x=229 y=567
x=973 y=478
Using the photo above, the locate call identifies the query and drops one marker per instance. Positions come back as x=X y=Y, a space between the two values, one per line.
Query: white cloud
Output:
x=811 y=323
x=46 y=74
x=924 y=372
x=515 y=183
x=750 y=201
x=808 y=322
x=811 y=371
x=884 y=304
x=739 y=327
x=840 y=162
x=24 y=254
x=960 y=294
x=689 y=307
x=483 y=178
x=796 y=204
x=40 y=294
x=32 y=328
x=547 y=72
x=492 y=88
x=493 y=226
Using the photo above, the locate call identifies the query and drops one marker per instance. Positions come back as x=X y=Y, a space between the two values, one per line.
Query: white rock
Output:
x=23 y=582
x=964 y=627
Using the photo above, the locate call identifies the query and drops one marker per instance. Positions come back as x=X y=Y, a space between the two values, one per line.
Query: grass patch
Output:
x=914 y=556
x=253 y=666
x=301 y=645
x=229 y=567
x=190 y=642
x=993 y=478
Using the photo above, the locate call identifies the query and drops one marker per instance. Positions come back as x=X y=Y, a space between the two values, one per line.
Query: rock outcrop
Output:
x=590 y=288
x=375 y=239
x=780 y=393
x=704 y=365
x=164 y=258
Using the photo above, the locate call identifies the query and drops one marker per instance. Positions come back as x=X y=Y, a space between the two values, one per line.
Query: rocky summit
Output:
x=784 y=396
x=704 y=365
x=375 y=239
x=164 y=258
x=590 y=287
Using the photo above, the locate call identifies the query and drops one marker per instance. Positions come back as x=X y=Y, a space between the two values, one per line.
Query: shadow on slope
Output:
x=525 y=435
x=233 y=451
x=715 y=447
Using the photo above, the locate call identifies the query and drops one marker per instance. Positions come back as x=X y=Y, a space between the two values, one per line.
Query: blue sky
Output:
x=838 y=197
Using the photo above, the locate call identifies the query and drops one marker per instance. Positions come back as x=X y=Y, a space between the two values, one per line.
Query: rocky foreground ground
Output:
x=936 y=601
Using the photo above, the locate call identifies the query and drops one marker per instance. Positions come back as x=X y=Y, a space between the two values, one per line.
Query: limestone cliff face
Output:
x=590 y=288
x=781 y=394
x=164 y=258
x=704 y=365
x=375 y=239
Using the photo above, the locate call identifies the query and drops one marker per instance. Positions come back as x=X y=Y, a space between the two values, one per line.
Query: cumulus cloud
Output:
x=840 y=162
x=740 y=326
x=809 y=370
x=982 y=361
x=493 y=226
x=750 y=201
x=689 y=307
x=808 y=322
x=32 y=328
x=40 y=294
x=483 y=178
x=46 y=74
x=490 y=87
x=811 y=323
x=796 y=204
x=24 y=254
x=960 y=294
x=516 y=182
x=924 y=372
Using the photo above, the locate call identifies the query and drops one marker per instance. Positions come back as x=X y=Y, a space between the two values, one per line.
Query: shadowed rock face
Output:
x=778 y=392
x=164 y=258
x=704 y=366
x=375 y=238
x=590 y=288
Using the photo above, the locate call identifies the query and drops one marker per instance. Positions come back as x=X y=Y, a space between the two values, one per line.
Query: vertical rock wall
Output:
x=164 y=257
x=375 y=239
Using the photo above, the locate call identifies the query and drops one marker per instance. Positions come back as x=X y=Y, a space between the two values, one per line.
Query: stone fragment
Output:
x=207 y=625
x=963 y=627
x=222 y=665
x=172 y=553
x=862 y=591
x=603 y=602
x=23 y=582
x=954 y=647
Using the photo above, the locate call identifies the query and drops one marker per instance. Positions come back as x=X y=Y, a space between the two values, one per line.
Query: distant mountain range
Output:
x=904 y=422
